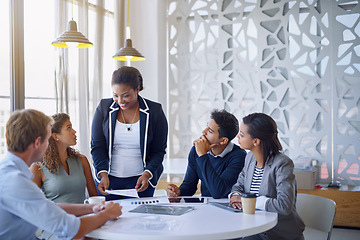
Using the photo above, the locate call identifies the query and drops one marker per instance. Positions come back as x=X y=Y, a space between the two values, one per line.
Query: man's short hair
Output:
x=227 y=122
x=23 y=127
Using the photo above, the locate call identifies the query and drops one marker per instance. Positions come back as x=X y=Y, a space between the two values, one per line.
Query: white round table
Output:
x=204 y=222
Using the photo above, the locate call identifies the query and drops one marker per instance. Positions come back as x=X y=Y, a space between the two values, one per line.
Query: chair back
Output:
x=316 y=212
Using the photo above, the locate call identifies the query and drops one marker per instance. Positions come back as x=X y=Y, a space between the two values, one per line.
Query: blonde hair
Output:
x=51 y=157
x=23 y=127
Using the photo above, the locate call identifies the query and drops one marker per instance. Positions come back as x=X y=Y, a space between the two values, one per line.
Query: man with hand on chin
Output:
x=213 y=159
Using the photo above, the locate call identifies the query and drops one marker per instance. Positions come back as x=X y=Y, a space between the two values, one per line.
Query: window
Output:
x=4 y=74
x=41 y=60
x=39 y=56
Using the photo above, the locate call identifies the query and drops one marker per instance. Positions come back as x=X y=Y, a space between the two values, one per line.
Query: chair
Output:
x=318 y=214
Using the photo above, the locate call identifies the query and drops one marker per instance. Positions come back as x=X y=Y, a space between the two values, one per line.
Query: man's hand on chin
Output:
x=202 y=145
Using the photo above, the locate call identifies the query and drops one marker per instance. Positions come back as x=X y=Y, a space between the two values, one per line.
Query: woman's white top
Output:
x=126 y=160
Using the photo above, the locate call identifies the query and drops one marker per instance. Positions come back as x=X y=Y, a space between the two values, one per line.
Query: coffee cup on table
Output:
x=94 y=200
x=248 y=201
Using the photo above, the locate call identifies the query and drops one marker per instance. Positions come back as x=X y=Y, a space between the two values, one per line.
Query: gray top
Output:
x=65 y=188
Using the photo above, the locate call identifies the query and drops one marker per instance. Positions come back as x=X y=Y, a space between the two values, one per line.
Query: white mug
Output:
x=94 y=200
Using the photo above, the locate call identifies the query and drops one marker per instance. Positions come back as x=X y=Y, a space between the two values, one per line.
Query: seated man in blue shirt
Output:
x=213 y=159
x=23 y=206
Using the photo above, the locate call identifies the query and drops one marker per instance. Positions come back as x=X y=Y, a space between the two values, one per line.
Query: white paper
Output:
x=124 y=192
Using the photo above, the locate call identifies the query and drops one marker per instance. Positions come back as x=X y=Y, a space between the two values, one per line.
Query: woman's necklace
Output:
x=127 y=127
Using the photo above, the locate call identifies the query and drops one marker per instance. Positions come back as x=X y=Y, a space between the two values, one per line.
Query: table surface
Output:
x=204 y=222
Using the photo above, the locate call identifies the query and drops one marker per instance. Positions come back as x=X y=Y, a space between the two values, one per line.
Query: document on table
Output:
x=124 y=192
x=162 y=209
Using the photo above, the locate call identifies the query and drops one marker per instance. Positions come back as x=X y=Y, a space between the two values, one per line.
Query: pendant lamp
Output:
x=128 y=53
x=72 y=38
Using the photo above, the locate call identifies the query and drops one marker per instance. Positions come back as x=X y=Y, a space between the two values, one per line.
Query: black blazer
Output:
x=153 y=136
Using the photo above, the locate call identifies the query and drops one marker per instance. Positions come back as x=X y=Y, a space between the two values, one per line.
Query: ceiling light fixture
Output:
x=128 y=53
x=72 y=38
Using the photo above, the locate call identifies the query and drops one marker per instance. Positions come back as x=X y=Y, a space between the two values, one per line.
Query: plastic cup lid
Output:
x=248 y=195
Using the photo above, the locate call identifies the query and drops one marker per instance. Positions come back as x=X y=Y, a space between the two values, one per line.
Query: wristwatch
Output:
x=233 y=193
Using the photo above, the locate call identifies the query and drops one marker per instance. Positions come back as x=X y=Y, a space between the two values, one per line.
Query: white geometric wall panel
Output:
x=298 y=61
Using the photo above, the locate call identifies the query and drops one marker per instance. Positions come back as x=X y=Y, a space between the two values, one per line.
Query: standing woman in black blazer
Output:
x=129 y=137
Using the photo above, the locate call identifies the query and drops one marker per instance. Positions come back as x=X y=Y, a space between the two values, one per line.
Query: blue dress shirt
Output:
x=24 y=208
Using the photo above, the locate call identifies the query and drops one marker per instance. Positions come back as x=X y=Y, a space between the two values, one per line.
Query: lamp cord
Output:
x=72 y=10
x=128 y=6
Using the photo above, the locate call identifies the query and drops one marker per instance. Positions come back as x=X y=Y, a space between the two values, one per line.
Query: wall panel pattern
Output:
x=298 y=61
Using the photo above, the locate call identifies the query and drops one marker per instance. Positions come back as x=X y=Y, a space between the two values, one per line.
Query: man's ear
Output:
x=37 y=142
x=224 y=141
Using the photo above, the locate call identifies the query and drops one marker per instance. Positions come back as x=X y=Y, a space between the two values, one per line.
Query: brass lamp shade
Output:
x=72 y=36
x=128 y=53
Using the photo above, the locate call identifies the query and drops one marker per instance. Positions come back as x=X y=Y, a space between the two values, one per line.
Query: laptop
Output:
x=225 y=205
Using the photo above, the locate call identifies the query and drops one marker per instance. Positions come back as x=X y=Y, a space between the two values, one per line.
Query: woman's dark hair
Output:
x=129 y=76
x=227 y=122
x=263 y=127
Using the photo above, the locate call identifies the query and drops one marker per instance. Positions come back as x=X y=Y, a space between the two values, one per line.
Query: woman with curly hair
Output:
x=64 y=173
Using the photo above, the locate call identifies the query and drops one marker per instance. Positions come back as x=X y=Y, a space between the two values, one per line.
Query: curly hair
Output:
x=51 y=158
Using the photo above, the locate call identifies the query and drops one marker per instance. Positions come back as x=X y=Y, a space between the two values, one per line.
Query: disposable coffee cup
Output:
x=248 y=201
x=95 y=200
